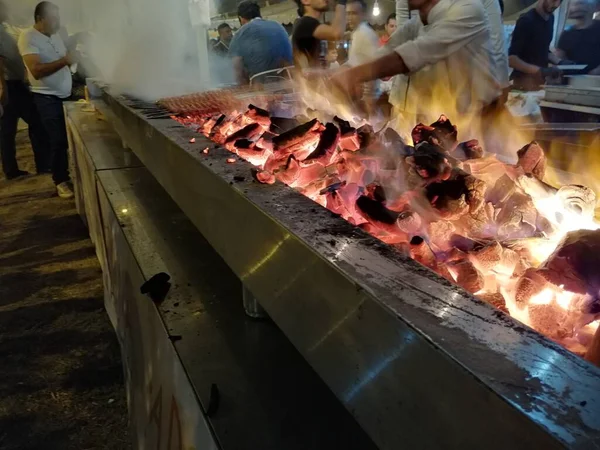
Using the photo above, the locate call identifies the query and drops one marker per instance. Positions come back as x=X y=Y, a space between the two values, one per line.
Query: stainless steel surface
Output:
x=581 y=96
x=163 y=408
x=251 y=305
x=419 y=363
x=270 y=399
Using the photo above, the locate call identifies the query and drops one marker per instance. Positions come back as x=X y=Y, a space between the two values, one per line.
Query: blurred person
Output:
x=445 y=49
x=363 y=47
x=47 y=62
x=259 y=45
x=529 y=52
x=390 y=27
x=580 y=43
x=221 y=48
x=17 y=102
x=332 y=56
x=494 y=9
x=309 y=32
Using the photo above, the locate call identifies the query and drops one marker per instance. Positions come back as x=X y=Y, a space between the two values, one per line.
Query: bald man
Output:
x=580 y=43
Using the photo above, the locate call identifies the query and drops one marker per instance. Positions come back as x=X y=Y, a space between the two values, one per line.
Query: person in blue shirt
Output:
x=259 y=46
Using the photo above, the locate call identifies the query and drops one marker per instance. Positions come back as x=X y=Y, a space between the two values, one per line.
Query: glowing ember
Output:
x=493 y=228
x=192 y=140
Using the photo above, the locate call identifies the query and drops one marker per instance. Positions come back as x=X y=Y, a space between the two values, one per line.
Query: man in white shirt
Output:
x=17 y=103
x=47 y=62
x=446 y=50
x=363 y=47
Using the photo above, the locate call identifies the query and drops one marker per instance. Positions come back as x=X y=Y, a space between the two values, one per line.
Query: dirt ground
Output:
x=61 y=381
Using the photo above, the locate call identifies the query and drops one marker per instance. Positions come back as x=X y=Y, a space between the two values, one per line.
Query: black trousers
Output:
x=50 y=109
x=20 y=106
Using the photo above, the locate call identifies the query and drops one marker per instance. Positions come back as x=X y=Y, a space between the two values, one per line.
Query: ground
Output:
x=61 y=381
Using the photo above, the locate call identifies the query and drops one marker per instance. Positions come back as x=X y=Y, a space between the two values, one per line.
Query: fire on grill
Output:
x=496 y=229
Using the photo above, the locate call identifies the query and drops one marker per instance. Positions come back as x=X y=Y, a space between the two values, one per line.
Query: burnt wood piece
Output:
x=575 y=262
x=429 y=160
x=295 y=135
x=258 y=111
x=496 y=300
x=327 y=144
x=457 y=194
x=441 y=133
x=247 y=132
x=345 y=127
x=280 y=125
x=376 y=210
x=468 y=150
x=244 y=143
x=366 y=135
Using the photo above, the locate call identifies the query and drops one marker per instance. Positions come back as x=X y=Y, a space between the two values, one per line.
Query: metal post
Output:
x=251 y=305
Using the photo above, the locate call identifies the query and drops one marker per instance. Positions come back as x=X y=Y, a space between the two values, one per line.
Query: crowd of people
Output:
x=459 y=44
x=35 y=81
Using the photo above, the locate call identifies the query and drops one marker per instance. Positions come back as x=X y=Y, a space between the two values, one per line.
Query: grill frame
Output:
x=418 y=362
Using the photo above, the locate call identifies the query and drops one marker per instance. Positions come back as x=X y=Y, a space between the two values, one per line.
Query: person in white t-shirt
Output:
x=47 y=62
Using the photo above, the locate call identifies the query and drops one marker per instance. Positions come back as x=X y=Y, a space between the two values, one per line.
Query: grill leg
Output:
x=251 y=305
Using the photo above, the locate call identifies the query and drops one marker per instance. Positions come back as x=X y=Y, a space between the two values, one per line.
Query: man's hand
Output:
x=550 y=72
x=69 y=59
x=344 y=83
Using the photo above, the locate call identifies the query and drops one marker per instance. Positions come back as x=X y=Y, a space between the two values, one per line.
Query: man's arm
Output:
x=41 y=70
x=240 y=73
x=335 y=31
x=520 y=40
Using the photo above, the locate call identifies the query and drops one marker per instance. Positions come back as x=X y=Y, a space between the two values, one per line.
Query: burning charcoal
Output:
x=476 y=190
x=350 y=142
x=488 y=257
x=467 y=276
x=326 y=147
x=574 y=264
x=455 y=196
x=549 y=319
x=517 y=217
x=530 y=284
x=295 y=135
x=375 y=210
x=262 y=176
x=409 y=222
x=366 y=135
x=495 y=299
x=532 y=160
x=421 y=252
x=290 y=172
x=430 y=161
x=441 y=133
x=579 y=199
x=376 y=192
x=439 y=233
x=282 y=124
x=501 y=191
x=248 y=132
x=593 y=353
x=468 y=150
x=256 y=111
x=345 y=127
x=244 y=143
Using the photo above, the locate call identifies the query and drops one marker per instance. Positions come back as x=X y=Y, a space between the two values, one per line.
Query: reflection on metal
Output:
x=251 y=305
x=398 y=346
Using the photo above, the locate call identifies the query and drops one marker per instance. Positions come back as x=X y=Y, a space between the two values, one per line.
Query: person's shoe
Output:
x=16 y=174
x=65 y=190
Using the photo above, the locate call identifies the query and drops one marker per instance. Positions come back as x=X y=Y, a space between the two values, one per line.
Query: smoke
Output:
x=149 y=48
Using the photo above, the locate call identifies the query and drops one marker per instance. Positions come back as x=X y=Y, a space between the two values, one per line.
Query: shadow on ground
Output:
x=61 y=386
